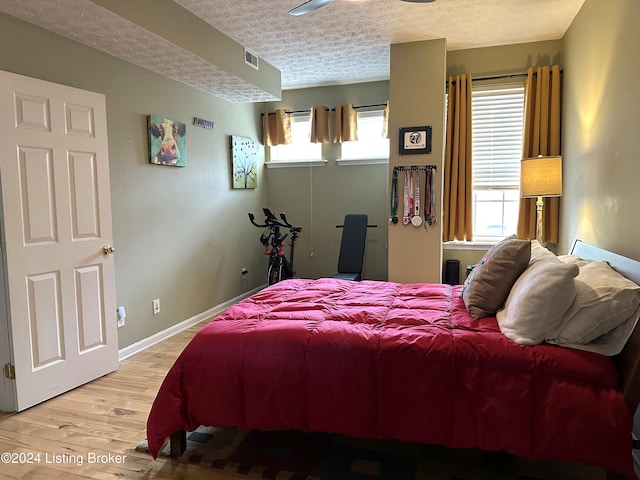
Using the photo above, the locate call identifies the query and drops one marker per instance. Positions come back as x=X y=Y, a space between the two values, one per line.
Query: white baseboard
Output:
x=179 y=327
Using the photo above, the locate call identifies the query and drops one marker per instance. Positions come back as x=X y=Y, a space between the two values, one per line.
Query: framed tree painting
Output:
x=244 y=162
x=167 y=141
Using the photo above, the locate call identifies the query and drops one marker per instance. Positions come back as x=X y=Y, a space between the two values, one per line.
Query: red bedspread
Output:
x=379 y=359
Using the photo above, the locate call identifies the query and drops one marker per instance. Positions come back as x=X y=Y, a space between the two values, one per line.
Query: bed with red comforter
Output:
x=403 y=361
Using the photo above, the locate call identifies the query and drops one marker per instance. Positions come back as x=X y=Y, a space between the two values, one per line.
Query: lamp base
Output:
x=539 y=205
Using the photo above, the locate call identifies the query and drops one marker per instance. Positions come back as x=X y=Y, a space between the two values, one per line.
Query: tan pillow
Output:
x=488 y=285
x=540 y=253
x=538 y=301
x=605 y=299
x=573 y=259
x=610 y=343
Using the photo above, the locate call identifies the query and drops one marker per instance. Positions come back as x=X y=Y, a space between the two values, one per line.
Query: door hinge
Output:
x=9 y=371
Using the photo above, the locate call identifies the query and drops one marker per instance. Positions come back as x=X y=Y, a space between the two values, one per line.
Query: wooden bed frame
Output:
x=627 y=362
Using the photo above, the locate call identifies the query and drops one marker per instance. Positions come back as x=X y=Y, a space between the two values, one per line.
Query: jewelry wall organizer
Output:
x=419 y=180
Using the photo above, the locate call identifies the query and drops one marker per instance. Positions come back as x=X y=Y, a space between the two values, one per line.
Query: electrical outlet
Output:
x=121 y=316
x=156 y=306
x=244 y=272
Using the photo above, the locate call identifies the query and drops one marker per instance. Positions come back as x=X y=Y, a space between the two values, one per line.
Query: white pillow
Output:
x=540 y=253
x=605 y=299
x=538 y=301
x=581 y=262
x=613 y=342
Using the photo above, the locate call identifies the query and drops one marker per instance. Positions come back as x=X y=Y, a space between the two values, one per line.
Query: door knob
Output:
x=108 y=250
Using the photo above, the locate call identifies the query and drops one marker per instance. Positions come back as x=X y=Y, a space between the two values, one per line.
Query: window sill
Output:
x=362 y=161
x=295 y=163
x=467 y=245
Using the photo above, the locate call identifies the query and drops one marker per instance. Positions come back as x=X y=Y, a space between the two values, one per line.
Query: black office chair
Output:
x=351 y=257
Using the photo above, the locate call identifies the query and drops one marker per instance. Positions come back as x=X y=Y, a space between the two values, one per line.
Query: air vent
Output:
x=251 y=59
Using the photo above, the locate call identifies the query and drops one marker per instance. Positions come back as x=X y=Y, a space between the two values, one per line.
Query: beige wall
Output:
x=417 y=99
x=317 y=198
x=601 y=141
x=181 y=234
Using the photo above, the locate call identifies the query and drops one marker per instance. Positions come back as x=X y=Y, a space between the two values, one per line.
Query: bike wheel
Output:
x=274 y=274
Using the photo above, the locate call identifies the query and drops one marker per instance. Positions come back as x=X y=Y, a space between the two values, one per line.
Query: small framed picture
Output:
x=414 y=140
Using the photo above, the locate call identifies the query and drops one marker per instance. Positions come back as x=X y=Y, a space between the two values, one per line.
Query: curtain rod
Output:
x=499 y=77
x=355 y=107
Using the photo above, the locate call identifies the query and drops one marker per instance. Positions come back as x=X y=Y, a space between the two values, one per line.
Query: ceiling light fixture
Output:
x=419 y=1
x=308 y=7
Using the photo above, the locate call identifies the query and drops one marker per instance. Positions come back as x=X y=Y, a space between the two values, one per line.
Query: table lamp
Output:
x=541 y=177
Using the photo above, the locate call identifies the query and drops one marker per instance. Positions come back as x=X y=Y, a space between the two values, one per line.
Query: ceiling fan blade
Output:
x=309 y=6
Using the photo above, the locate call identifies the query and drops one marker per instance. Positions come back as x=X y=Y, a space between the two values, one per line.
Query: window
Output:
x=371 y=147
x=497 y=122
x=300 y=149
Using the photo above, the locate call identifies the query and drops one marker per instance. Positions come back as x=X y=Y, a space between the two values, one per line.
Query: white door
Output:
x=60 y=284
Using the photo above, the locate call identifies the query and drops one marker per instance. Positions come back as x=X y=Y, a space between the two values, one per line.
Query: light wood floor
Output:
x=106 y=416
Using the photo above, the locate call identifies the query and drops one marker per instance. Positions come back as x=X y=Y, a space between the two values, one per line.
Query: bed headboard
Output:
x=628 y=360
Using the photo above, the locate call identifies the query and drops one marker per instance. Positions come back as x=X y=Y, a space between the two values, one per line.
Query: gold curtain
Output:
x=320 y=125
x=345 y=124
x=541 y=137
x=385 y=121
x=457 y=207
x=276 y=128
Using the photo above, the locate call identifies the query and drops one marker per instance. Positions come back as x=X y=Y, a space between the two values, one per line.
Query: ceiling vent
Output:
x=251 y=59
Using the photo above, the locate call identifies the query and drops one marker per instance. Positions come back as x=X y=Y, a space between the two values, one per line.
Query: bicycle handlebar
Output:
x=272 y=221
x=291 y=228
x=252 y=218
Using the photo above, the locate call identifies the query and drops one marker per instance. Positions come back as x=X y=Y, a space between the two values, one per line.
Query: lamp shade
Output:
x=541 y=177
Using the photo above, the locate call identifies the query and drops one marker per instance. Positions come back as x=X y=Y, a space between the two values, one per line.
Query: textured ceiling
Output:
x=345 y=42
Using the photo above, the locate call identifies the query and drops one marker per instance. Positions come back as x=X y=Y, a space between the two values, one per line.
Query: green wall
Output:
x=317 y=198
x=601 y=117
x=181 y=234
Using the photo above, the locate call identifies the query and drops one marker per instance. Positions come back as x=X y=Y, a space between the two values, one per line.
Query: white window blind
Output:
x=496 y=118
x=497 y=113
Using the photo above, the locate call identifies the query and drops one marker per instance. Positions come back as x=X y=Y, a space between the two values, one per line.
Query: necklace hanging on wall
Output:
x=408 y=194
x=416 y=220
x=394 y=197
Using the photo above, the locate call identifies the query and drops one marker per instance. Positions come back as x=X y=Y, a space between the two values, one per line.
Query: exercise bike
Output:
x=272 y=240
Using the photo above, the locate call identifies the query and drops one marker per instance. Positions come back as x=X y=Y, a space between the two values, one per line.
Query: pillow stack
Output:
x=564 y=300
